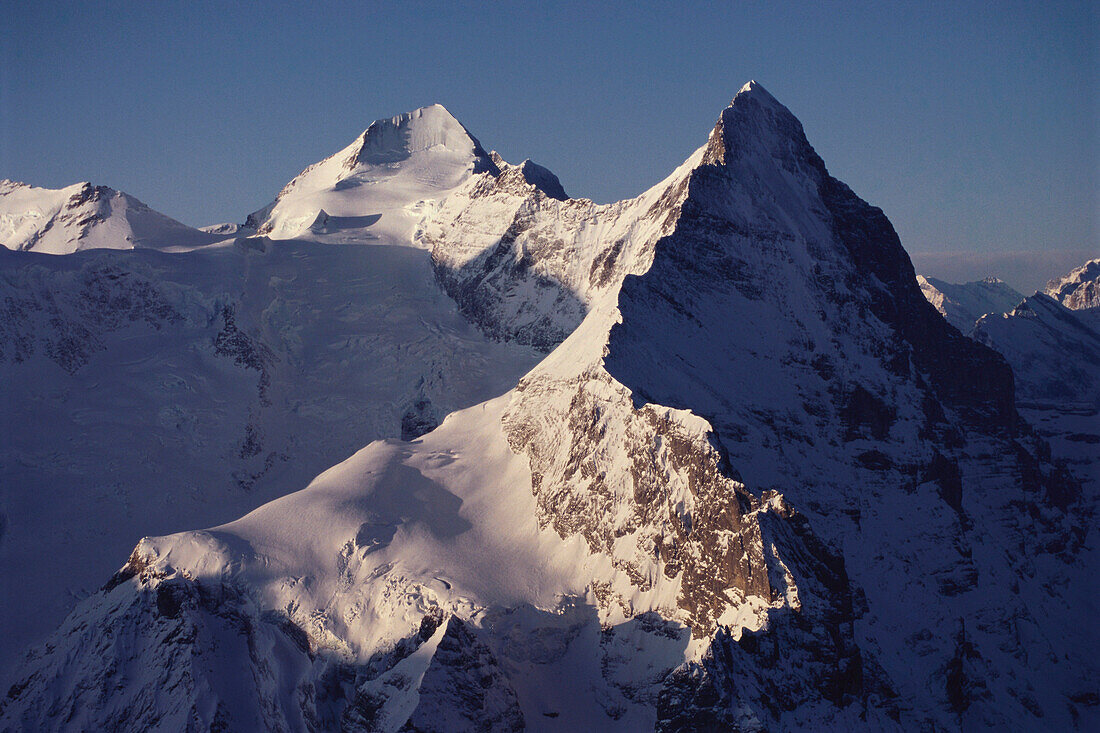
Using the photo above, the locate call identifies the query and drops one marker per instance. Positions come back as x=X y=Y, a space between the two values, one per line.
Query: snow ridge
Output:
x=1080 y=289
x=962 y=305
x=83 y=216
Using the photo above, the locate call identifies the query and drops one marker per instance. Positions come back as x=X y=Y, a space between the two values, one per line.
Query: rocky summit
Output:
x=704 y=459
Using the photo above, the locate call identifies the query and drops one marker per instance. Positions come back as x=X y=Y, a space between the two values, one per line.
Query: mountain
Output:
x=189 y=387
x=1054 y=351
x=760 y=484
x=1079 y=289
x=83 y=216
x=148 y=392
x=377 y=187
x=962 y=305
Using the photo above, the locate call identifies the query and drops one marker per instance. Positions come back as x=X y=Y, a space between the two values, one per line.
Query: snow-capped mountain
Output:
x=379 y=186
x=1078 y=290
x=760 y=484
x=962 y=305
x=83 y=216
x=246 y=368
x=1054 y=352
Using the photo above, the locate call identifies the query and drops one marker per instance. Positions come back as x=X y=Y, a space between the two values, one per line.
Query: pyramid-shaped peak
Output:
x=754 y=95
x=754 y=89
x=756 y=121
x=390 y=140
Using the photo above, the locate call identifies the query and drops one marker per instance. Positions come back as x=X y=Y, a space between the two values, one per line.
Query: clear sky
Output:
x=973 y=125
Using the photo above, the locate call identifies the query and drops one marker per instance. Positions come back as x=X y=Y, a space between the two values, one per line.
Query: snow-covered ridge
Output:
x=1080 y=289
x=83 y=216
x=962 y=305
x=1055 y=351
x=188 y=389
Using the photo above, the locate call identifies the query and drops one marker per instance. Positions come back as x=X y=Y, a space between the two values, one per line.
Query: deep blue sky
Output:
x=973 y=125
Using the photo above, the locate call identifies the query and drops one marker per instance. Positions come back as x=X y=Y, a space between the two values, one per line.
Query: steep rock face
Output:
x=464 y=688
x=83 y=216
x=962 y=305
x=1079 y=289
x=841 y=388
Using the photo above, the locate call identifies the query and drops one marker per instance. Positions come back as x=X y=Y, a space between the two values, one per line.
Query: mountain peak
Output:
x=419 y=155
x=1079 y=289
x=85 y=216
x=755 y=120
x=388 y=141
x=754 y=90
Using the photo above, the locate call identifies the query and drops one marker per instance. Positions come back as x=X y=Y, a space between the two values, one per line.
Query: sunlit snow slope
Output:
x=151 y=391
x=84 y=216
x=380 y=186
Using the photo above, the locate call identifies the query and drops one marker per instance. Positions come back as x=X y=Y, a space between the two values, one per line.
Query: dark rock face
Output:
x=782 y=310
x=974 y=379
x=804 y=659
x=962 y=675
x=245 y=351
x=464 y=689
x=420 y=419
